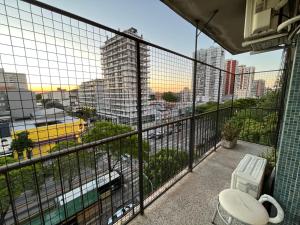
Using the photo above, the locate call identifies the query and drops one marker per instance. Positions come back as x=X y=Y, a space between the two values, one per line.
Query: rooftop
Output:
x=193 y=199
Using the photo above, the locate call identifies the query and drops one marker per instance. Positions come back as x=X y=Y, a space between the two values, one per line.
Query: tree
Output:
x=53 y=104
x=170 y=97
x=152 y=97
x=20 y=180
x=105 y=129
x=66 y=168
x=22 y=142
x=209 y=106
x=245 y=102
x=164 y=165
x=269 y=100
x=86 y=113
x=38 y=97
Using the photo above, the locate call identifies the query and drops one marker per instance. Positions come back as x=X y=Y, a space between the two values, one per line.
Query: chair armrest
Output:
x=280 y=214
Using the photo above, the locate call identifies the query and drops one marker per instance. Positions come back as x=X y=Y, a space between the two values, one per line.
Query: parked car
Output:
x=119 y=213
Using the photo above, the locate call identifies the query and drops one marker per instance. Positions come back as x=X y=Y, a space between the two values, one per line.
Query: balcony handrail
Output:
x=9 y=167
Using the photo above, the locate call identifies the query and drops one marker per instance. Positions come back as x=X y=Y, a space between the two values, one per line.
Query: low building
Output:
x=21 y=103
x=9 y=80
x=61 y=96
x=48 y=130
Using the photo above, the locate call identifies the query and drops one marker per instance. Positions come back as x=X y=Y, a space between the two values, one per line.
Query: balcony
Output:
x=193 y=199
x=138 y=163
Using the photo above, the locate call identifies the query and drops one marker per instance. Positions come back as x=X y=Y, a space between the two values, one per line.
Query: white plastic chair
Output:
x=245 y=208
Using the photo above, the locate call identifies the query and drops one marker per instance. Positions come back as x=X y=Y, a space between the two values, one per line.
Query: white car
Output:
x=119 y=214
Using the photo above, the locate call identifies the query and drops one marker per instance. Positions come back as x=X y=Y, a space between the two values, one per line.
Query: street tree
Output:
x=39 y=97
x=22 y=143
x=125 y=145
x=66 y=167
x=20 y=180
x=164 y=165
x=86 y=113
x=170 y=97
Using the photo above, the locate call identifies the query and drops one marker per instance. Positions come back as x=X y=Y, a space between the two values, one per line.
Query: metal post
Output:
x=232 y=97
x=218 y=109
x=280 y=108
x=11 y=198
x=139 y=126
x=192 y=130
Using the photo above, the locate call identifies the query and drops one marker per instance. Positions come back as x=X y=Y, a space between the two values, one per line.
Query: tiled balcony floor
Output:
x=193 y=199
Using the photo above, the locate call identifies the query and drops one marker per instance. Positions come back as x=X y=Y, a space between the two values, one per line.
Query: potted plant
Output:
x=230 y=134
x=269 y=155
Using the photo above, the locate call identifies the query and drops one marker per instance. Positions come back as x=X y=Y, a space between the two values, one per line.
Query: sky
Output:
x=47 y=47
x=158 y=24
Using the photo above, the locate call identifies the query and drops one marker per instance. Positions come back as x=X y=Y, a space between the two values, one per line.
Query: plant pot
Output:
x=228 y=144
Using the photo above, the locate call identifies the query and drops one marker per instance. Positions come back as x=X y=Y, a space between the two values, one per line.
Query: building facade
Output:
x=119 y=75
x=185 y=95
x=258 y=88
x=12 y=80
x=207 y=78
x=91 y=94
x=245 y=81
x=231 y=81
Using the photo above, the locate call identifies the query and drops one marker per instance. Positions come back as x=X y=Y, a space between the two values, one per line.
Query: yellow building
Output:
x=47 y=132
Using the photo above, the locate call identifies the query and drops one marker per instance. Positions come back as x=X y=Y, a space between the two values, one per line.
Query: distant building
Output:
x=246 y=77
x=231 y=81
x=15 y=99
x=4 y=106
x=21 y=103
x=258 y=88
x=185 y=95
x=61 y=96
x=207 y=78
x=119 y=74
x=91 y=94
x=74 y=99
x=12 y=81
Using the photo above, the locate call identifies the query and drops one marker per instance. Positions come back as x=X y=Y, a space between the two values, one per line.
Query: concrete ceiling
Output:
x=226 y=28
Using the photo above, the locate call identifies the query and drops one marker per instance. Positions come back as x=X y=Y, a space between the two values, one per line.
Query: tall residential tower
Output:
x=119 y=64
x=207 y=77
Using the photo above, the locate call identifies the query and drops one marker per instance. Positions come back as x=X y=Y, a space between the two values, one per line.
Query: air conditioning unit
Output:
x=262 y=18
x=249 y=174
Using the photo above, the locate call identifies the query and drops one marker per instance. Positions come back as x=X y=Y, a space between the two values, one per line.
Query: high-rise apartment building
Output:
x=119 y=75
x=207 y=78
x=258 y=88
x=231 y=81
x=246 y=78
x=185 y=95
x=12 y=81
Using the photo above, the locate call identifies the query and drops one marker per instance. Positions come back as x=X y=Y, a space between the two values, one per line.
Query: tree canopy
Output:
x=66 y=168
x=170 y=97
x=22 y=142
x=105 y=129
x=20 y=180
x=86 y=113
x=163 y=166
